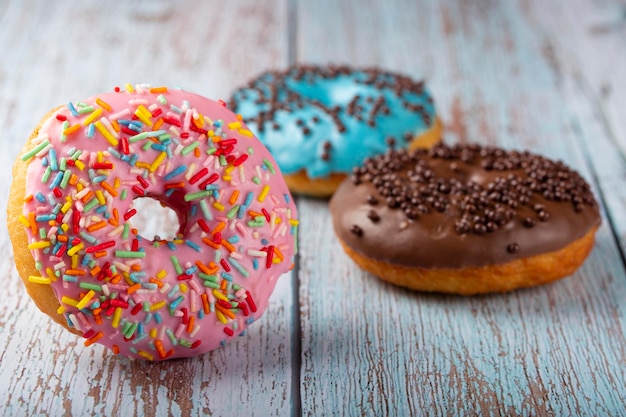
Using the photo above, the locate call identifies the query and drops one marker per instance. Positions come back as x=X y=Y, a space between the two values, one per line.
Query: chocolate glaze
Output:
x=462 y=205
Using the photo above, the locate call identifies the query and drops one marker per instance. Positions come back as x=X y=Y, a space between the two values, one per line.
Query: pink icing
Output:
x=164 y=299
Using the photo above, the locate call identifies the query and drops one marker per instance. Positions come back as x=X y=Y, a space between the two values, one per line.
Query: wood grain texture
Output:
x=372 y=349
x=585 y=47
x=335 y=340
x=67 y=51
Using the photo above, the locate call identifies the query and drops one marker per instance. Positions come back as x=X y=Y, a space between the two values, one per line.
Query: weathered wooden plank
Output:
x=369 y=348
x=66 y=51
x=591 y=29
x=589 y=43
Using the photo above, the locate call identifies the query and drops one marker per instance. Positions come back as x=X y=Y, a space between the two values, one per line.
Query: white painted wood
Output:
x=518 y=74
x=589 y=38
x=61 y=51
x=587 y=46
x=369 y=348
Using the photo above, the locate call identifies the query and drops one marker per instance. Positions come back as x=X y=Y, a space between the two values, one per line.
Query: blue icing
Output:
x=314 y=104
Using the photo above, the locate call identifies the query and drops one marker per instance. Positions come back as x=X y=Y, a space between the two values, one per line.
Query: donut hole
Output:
x=155 y=220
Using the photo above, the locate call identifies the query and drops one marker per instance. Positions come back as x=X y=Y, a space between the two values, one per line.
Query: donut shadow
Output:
x=244 y=354
x=407 y=327
x=260 y=353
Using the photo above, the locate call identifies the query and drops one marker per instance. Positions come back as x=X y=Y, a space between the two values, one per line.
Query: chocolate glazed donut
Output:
x=465 y=219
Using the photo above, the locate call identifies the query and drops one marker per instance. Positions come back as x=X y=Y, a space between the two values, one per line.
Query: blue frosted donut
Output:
x=326 y=120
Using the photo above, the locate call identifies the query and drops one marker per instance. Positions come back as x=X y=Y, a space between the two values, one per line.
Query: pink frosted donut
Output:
x=141 y=298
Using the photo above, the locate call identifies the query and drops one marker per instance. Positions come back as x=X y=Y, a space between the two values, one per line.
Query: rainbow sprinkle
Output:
x=156 y=299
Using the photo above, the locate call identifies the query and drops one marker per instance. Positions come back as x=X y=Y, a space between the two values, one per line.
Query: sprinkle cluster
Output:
x=329 y=109
x=439 y=180
x=156 y=299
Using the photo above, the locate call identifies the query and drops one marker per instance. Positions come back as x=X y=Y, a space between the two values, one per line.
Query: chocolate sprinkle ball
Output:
x=359 y=107
x=327 y=119
x=462 y=205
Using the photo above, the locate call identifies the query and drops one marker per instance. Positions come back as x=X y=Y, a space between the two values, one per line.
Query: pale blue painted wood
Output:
x=513 y=74
x=590 y=45
x=61 y=51
x=553 y=350
x=590 y=36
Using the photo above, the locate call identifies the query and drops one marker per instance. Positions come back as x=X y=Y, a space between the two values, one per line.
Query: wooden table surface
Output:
x=544 y=75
